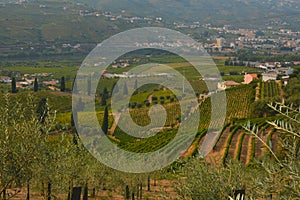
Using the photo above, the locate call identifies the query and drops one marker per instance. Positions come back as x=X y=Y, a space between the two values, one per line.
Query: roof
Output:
x=231 y=83
x=253 y=75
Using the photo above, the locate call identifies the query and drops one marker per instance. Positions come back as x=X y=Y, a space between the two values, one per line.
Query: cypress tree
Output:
x=35 y=85
x=62 y=84
x=104 y=97
x=73 y=123
x=13 y=85
x=105 y=121
x=74 y=86
x=42 y=110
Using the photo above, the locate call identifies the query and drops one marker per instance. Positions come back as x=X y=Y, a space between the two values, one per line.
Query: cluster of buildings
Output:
x=113 y=17
x=27 y=80
x=281 y=41
x=271 y=75
x=107 y=75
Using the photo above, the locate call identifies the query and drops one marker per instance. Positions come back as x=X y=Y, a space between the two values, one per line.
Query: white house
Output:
x=227 y=84
x=269 y=76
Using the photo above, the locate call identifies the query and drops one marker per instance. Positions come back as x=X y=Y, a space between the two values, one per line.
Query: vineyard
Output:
x=239 y=102
x=235 y=143
x=269 y=89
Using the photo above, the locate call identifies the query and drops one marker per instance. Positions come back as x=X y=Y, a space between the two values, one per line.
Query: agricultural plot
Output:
x=269 y=89
x=235 y=143
x=239 y=102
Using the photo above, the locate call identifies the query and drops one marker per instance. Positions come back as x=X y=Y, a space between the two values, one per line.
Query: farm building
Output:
x=248 y=78
x=269 y=76
x=227 y=84
x=5 y=79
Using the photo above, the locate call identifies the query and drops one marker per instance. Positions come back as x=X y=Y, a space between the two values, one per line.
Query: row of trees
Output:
x=36 y=85
x=35 y=155
x=230 y=62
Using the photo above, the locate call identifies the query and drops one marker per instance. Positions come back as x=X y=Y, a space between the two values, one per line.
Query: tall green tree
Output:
x=35 y=85
x=105 y=121
x=42 y=110
x=75 y=91
x=13 y=85
x=62 y=84
x=104 y=97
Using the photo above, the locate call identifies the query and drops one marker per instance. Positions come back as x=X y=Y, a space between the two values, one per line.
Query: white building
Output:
x=269 y=76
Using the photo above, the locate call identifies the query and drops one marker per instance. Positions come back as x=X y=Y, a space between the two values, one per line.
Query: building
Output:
x=248 y=78
x=285 y=71
x=227 y=84
x=285 y=79
x=220 y=42
x=269 y=76
x=5 y=79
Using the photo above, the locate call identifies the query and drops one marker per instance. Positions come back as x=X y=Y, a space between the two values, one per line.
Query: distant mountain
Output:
x=59 y=21
x=222 y=11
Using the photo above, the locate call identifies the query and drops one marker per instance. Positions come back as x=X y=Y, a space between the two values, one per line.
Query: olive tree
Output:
x=21 y=141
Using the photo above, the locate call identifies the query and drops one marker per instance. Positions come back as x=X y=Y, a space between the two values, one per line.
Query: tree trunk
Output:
x=127 y=193
x=149 y=189
x=76 y=193
x=69 y=193
x=137 y=191
x=43 y=190
x=49 y=191
x=85 y=192
x=141 y=191
x=93 y=193
x=132 y=196
x=28 y=191
x=4 y=194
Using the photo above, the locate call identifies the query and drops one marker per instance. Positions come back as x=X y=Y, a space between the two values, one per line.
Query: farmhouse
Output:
x=50 y=83
x=269 y=76
x=248 y=78
x=227 y=84
x=5 y=79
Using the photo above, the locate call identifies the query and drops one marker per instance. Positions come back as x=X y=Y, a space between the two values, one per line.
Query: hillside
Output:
x=42 y=21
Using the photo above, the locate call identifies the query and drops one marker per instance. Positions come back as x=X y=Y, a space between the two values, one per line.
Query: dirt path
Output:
x=249 y=150
x=150 y=98
x=239 y=141
x=215 y=156
x=115 y=123
x=233 y=145
x=245 y=148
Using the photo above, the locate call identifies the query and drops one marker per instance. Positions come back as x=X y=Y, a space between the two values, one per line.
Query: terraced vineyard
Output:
x=235 y=143
x=239 y=101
